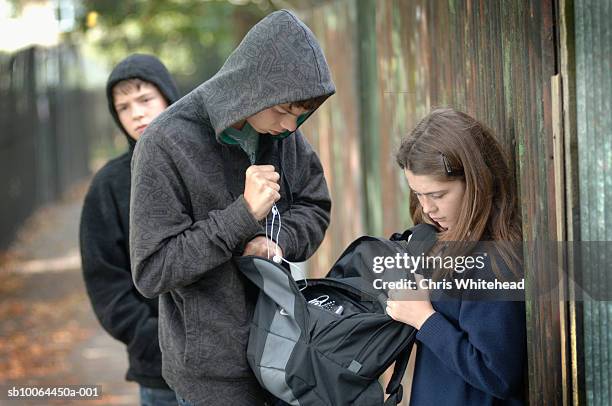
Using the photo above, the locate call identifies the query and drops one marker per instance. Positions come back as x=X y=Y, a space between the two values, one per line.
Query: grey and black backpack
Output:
x=328 y=343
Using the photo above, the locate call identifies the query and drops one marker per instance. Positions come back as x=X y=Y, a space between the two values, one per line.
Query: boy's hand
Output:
x=259 y=246
x=261 y=189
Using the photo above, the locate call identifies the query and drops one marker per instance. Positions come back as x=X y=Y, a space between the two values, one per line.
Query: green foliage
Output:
x=192 y=37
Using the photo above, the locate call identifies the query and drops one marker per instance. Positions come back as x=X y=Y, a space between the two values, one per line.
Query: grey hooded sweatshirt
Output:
x=188 y=217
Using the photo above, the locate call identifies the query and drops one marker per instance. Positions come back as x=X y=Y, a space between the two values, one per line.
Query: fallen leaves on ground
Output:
x=38 y=336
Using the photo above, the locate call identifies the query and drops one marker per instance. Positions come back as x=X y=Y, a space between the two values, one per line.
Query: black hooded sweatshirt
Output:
x=104 y=236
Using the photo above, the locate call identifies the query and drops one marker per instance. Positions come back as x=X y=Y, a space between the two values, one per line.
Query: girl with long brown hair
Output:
x=469 y=352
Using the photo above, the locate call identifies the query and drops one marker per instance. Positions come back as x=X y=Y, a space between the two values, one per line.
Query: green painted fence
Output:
x=593 y=48
x=392 y=61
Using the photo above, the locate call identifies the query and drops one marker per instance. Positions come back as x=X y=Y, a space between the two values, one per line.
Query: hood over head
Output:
x=278 y=61
x=147 y=68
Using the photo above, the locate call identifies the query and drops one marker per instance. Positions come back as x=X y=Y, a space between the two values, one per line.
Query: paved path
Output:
x=49 y=335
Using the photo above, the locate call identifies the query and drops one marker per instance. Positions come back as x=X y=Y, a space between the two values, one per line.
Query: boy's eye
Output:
x=437 y=196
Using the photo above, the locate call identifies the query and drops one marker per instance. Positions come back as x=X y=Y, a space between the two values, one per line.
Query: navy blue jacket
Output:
x=471 y=353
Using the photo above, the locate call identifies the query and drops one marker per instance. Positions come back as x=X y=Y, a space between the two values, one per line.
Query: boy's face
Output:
x=277 y=119
x=137 y=106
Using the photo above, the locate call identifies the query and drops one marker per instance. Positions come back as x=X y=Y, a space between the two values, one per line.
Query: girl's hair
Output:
x=451 y=145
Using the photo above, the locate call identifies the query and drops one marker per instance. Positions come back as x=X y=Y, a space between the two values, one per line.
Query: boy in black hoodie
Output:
x=138 y=89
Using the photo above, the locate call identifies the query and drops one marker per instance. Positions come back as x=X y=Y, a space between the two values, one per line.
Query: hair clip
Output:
x=449 y=169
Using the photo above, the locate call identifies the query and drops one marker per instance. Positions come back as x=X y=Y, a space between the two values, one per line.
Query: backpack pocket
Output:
x=320 y=320
x=341 y=386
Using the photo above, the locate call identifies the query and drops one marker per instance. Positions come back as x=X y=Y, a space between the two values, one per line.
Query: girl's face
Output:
x=440 y=200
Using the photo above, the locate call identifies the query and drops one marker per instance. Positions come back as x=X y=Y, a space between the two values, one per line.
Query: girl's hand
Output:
x=414 y=307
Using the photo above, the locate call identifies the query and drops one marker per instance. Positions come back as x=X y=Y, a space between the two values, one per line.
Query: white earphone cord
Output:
x=278 y=258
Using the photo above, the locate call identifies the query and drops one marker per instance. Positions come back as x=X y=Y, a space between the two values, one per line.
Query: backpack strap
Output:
x=422 y=238
x=395 y=390
x=401 y=236
x=420 y=232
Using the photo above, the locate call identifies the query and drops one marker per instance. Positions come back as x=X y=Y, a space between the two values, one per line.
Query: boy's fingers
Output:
x=261 y=168
x=273 y=186
x=271 y=176
x=272 y=193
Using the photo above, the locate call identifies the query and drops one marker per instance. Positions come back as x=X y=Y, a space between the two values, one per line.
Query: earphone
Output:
x=277 y=258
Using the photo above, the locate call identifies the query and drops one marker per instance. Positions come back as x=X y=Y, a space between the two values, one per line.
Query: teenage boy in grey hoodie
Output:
x=205 y=176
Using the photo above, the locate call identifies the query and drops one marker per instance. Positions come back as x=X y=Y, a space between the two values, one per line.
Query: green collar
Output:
x=248 y=138
x=300 y=120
